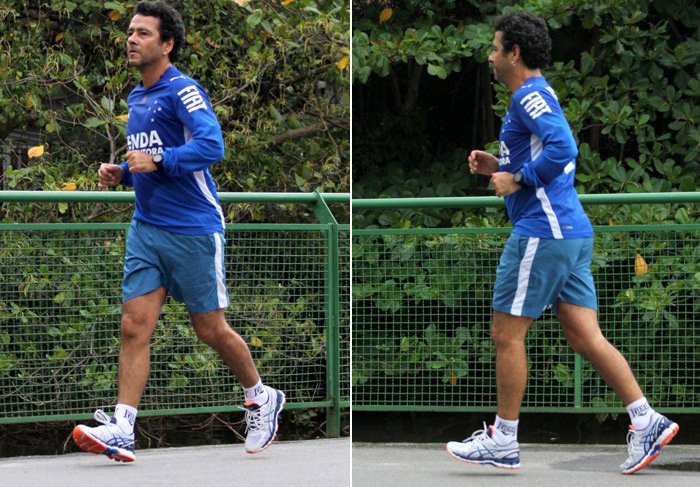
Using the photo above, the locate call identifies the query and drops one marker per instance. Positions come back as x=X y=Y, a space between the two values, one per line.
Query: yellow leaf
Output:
x=610 y=222
x=256 y=342
x=68 y=187
x=385 y=15
x=640 y=265
x=343 y=63
x=453 y=380
x=114 y=15
x=239 y=2
x=123 y=118
x=287 y=2
x=60 y=36
x=37 y=151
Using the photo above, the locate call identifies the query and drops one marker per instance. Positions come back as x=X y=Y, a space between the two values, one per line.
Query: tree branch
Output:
x=297 y=133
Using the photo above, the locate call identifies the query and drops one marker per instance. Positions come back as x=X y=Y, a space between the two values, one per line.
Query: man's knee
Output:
x=586 y=345
x=508 y=330
x=207 y=333
x=134 y=328
x=210 y=328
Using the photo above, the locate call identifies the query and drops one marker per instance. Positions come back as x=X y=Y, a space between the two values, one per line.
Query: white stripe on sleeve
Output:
x=549 y=212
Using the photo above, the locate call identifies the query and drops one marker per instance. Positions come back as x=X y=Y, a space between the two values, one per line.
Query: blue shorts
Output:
x=535 y=272
x=190 y=267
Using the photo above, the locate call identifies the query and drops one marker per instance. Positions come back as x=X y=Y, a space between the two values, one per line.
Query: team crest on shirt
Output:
x=153 y=110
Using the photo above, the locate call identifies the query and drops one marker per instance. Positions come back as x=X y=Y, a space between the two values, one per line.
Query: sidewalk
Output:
x=424 y=465
x=288 y=463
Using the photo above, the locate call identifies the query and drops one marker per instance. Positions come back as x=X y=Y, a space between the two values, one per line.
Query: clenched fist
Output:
x=109 y=175
x=140 y=161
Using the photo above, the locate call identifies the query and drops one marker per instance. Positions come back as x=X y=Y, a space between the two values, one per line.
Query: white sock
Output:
x=505 y=431
x=126 y=417
x=257 y=393
x=641 y=413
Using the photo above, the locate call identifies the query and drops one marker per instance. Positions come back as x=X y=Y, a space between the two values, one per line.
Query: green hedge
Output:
x=422 y=317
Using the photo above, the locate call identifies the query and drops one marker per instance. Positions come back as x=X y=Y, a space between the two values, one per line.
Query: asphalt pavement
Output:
x=311 y=463
x=426 y=465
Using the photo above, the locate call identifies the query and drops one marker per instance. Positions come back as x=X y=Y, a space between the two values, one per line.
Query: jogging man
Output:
x=176 y=239
x=546 y=260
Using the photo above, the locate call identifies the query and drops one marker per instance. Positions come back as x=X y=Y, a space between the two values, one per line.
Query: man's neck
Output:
x=520 y=77
x=152 y=73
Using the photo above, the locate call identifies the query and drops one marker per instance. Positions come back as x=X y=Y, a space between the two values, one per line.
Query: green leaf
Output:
x=682 y=216
x=254 y=19
x=93 y=122
x=276 y=114
x=438 y=71
x=107 y=104
x=587 y=63
x=687 y=183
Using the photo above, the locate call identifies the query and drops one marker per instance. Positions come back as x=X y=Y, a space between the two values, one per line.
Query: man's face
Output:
x=143 y=41
x=498 y=58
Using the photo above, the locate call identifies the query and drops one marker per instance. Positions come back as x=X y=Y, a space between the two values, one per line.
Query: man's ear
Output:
x=168 y=46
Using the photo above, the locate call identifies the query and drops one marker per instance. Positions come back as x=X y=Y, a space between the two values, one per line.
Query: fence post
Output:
x=325 y=216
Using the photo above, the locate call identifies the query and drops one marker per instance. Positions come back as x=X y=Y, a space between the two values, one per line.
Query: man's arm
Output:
x=558 y=145
x=205 y=144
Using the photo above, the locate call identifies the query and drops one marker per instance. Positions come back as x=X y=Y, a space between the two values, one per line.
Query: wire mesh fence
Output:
x=60 y=306
x=422 y=316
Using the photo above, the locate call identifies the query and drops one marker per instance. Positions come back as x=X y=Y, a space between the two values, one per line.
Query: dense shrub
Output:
x=626 y=73
x=277 y=76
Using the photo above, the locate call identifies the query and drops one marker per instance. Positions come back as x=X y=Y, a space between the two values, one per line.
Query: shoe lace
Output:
x=631 y=441
x=478 y=435
x=253 y=418
x=102 y=417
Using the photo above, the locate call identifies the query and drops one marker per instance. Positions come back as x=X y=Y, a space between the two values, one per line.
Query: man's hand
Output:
x=140 y=161
x=481 y=162
x=109 y=175
x=503 y=183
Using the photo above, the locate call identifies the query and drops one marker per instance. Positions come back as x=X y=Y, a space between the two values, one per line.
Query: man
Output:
x=176 y=239
x=546 y=261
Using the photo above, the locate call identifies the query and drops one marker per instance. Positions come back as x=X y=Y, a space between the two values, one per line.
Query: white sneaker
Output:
x=644 y=446
x=481 y=449
x=108 y=439
x=262 y=420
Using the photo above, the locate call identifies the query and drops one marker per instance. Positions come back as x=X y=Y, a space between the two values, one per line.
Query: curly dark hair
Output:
x=530 y=33
x=171 y=25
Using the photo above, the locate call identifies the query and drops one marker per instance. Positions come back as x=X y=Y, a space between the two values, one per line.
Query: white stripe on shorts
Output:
x=220 y=286
x=524 y=276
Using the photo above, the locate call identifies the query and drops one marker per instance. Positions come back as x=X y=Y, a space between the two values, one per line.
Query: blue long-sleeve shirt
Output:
x=536 y=140
x=174 y=117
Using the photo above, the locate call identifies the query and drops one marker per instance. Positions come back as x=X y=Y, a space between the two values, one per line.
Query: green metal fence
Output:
x=421 y=302
x=60 y=303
